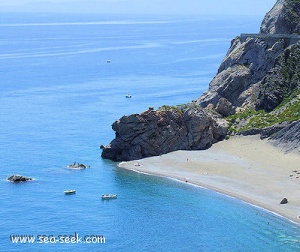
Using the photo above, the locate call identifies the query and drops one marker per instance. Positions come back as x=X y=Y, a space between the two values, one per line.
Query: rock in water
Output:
x=153 y=133
x=78 y=166
x=18 y=178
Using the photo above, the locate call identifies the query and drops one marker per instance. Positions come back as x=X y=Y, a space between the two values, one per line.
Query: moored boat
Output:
x=70 y=191
x=109 y=196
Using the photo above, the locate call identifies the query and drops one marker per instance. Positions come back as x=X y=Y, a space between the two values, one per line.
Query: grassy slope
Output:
x=287 y=111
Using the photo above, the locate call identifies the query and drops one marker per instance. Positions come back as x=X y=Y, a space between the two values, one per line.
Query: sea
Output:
x=63 y=82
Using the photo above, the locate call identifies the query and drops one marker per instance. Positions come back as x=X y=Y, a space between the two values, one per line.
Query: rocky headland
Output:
x=255 y=91
x=153 y=133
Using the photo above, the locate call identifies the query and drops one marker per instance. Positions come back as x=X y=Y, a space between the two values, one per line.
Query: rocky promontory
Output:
x=156 y=132
x=256 y=90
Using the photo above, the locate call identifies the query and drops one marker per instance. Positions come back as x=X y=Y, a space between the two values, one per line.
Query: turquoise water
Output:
x=58 y=99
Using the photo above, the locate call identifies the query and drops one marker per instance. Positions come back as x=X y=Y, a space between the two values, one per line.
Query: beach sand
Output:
x=246 y=168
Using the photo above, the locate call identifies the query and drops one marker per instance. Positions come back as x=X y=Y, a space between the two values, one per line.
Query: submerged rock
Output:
x=18 y=178
x=78 y=166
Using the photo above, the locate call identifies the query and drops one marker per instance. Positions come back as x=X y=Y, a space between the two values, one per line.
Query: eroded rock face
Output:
x=224 y=107
x=288 y=137
x=246 y=64
x=281 y=80
x=274 y=21
x=257 y=70
x=283 y=18
x=153 y=133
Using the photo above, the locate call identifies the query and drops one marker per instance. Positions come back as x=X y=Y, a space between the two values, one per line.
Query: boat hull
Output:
x=109 y=196
x=68 y=192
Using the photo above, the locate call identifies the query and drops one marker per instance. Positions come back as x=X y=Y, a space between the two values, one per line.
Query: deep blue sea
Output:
x=58 y=99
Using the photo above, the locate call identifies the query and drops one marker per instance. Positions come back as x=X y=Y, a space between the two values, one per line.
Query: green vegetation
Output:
x=242 y=115
x=168 y=108
x=282 y=81
x=287 y=111
x=291 y=97
x=179 y=108
x=292 y=9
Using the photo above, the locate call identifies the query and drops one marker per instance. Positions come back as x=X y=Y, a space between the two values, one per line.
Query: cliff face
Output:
x=253 y=73
x=281 y=80
x=243 y=68
x=283 y=18
x=288 y=137
x=153 y=133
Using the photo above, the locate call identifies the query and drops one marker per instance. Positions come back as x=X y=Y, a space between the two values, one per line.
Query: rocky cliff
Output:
x=288 y=138
x=153 y=133
x=245 y=66
x=283 y=18
x=281 y=80
x=260 y=72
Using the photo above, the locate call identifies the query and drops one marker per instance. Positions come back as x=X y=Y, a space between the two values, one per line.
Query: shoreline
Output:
x=243 y=167
x=215 y=191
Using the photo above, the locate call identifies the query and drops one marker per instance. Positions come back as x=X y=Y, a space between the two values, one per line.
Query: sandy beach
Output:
x=247 y=168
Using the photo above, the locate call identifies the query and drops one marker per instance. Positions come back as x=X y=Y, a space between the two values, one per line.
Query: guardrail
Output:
x=267 y=35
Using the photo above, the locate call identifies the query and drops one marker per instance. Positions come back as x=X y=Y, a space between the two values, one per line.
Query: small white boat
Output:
x=128 y=96
x=109 y=196
x=70 y=191
x=108 y=61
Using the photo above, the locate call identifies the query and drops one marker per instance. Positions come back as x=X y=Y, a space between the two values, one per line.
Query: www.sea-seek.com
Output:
x=73 y=238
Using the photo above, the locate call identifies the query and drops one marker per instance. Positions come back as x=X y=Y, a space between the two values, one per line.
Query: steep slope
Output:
x=281 y=80
x=259 y=70
x=288 y=138
x=283 y=18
